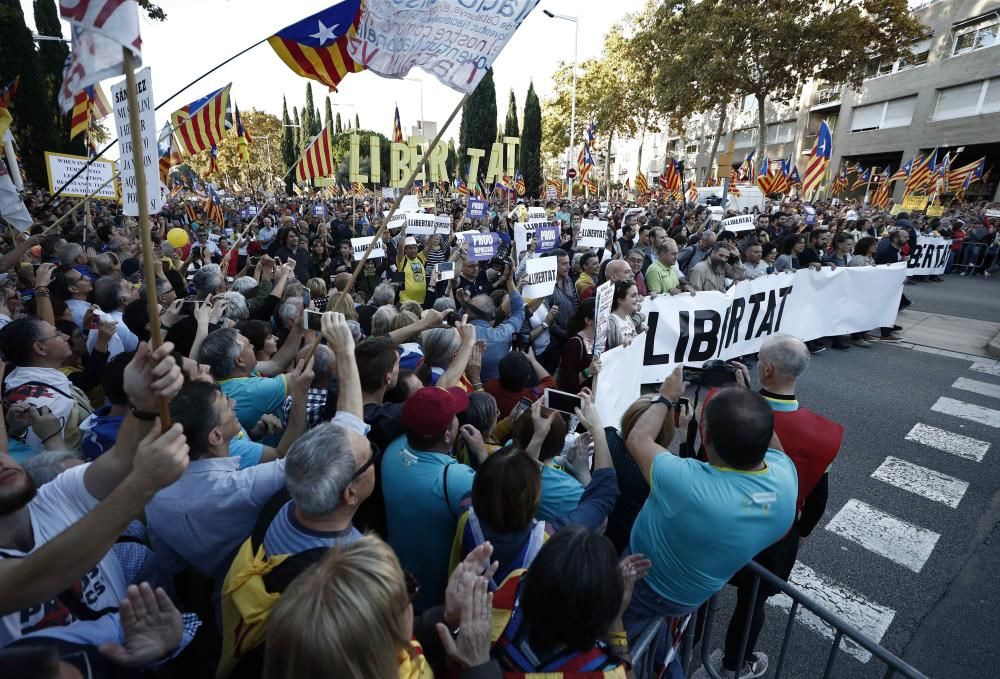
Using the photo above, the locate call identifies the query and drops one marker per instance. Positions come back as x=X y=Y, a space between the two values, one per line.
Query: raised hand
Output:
x=152 y=624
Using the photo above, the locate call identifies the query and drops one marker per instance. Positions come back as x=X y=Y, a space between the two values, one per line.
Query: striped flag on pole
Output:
x=397 y=128
x=317 y=159
x=819 y=159
x=316 y=47
x=90 y=104
x=920 y=174
x=201 y=124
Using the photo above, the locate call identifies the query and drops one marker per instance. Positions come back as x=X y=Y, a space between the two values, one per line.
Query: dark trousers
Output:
x=903 y=303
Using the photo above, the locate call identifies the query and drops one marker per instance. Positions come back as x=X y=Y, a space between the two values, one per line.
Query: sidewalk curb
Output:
x=993 y=348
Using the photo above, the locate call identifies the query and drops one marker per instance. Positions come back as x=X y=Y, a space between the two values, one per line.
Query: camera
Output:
x=520 y=341
x=712 y=374
x=452 y=318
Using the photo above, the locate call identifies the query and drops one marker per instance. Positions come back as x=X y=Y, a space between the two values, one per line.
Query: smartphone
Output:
x=312 y=320
x=398 y=277
x=682 y=404
x=188 y=307
x=561 y=401
x=519 y=409
x=693 y=375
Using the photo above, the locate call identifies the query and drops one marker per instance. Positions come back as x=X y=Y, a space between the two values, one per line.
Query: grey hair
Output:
x=356 y=330
x=318 y=468
x=439 y=345
x=384 y=294
x=292 y=289
x=103 y=265
x=69 y=252
x=290 y=308
x=207 y=280
x=444 y=304
x=238 y=309
x=708 y=235
x=481 y=413
x=324 y=362
x=382 y=320
x=219 y=351
x=789 y=355
x=47 y=465
x=244 y=284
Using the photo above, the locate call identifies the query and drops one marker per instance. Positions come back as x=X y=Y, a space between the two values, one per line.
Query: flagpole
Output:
x=74 y=208
x=149 y=271
x=345 y=295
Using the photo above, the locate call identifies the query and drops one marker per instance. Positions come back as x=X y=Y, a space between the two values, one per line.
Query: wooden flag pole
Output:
x=345 y=295
x=148 y=269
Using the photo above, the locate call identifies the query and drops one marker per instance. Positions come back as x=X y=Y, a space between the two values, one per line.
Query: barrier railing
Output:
x=645 y=648
x=974 y=259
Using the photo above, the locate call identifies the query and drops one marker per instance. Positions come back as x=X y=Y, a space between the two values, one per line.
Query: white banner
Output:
x=442 y=225
x=419 y=224
x=928 y=257
x=62 y=167
x=456 y=41
x=360 y=247
x=740 y=223
x=398 y=220
x=593 y=233
x=541 y=277
x=148 y=155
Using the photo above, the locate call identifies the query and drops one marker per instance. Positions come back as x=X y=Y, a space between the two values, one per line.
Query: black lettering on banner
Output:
x=767 y=321
x=739 y=306
x=682 y=339
x=652 y=358
x=755 y=299
x=706 y=329
x=783 y=293
x=723 y=331
x=928 y=257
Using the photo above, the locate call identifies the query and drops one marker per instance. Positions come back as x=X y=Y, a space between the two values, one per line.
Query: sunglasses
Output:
x=366 y=465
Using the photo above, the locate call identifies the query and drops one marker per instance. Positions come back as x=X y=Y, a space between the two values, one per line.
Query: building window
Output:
x=749 y=103
x=968 y=100
x=780 y=133
x=974 y=35
x=691 y=148
x=880 y=66
x=745 y=138
x=894 y=113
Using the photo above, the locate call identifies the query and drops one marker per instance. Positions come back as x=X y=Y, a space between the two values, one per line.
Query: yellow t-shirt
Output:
x=415 y=287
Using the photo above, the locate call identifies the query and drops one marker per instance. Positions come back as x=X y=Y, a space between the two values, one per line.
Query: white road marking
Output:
x=977 y=387
x=865 y=615
x=922 y=481
x=886 y=535
x=967 y=411
x=990 y=368
x=948 y=442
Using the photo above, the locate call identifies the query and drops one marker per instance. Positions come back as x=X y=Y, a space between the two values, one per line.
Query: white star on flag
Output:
x=323 y=33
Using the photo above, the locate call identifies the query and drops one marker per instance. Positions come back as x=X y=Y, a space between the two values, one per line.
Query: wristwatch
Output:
x=660 y=398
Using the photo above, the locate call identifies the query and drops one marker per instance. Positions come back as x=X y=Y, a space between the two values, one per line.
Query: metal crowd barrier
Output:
x=647 y=666
x=975 y=259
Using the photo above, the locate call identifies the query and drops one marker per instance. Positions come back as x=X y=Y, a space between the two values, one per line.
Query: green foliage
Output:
x=327 y=113
x=299 y=132
x=451 y=162
x=357 y=122
x=338 y=128
x=531 y=144
x=264 y=164
x=289 y=150
x=342 y=156
x=154 y=12
x=478 y=129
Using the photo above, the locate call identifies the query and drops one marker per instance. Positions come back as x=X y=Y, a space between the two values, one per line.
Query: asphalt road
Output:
x=974 y=297
x=910 y=554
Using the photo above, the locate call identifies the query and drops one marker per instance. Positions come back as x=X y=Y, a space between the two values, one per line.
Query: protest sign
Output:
x=522 y=234
x=895 y=209
x=551 y=193
x=739 y=223
x=397 y=221
x=547 y=236
x=419 y=224
x=482 y=246
x=389 y=193
x=914 y=202
x=446 y=271
x=593 y=233
x=993 y=213
x=148 y=155
x=409 y=204
x=477 y=209
x=935 y=211
x=537 y=213
x=442 y=225
x=62 y=167
x=319 y=210
x=928 y=256
x=426 y=203
x=619 y=383
x=541 y=274
x=360 y=246
x=603 y=296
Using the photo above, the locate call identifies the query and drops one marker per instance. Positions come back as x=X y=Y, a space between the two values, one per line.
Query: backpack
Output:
x=252 y=586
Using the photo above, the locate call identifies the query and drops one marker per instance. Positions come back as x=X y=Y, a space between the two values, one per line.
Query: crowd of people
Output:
x=360 y=476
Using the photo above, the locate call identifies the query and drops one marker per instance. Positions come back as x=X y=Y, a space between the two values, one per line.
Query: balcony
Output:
x=828 y=97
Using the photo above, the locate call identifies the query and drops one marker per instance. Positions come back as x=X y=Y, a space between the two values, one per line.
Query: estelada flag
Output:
x=316 y=47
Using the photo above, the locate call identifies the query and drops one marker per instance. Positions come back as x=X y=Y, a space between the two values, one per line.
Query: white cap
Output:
x=410 y=240
x=852 y=216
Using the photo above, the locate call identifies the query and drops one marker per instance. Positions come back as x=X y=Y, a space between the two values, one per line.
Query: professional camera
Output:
x=712 y=374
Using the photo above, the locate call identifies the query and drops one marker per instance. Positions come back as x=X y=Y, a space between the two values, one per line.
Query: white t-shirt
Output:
x=59 y=504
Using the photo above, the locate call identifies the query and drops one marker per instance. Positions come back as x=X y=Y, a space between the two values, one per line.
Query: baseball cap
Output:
x=429 y=411
x=410 y=240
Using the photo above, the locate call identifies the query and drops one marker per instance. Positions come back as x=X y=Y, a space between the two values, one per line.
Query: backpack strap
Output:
x=266 y=516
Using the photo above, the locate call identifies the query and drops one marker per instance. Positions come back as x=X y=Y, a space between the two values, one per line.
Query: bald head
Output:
x=618 y=270
x=783 y=356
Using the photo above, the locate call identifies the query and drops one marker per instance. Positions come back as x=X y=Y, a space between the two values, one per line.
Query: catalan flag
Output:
x=641 y=184
x=864 y=176
x=734 y=177
x=505 y=185
x=745 y=173
x=904 y=171
x=90 y=104
x=358 y=189
x=840 y=181
x=316 y=47
x=819 y=159
x=213 y=162
x=213 y=209
x=519 y=183
x=555 y=184
x=167 y=151
x=460 y=187
x=764 y=179
x=794 y=179
x=960 y=193
x=397 y=128
x=317 y=160
x=880 y=199
x=671 y=179
x=956 y=177
x=920 y=174
x=691 y=195
x=192 y=215
x=244 y=137
x=8 y=91
x=201 y=124
x=590 y=185
x=628 y=185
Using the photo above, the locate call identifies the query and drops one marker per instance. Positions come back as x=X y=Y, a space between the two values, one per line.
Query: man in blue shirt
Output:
x=424 y=487
x=704 y=521
x=482 y=312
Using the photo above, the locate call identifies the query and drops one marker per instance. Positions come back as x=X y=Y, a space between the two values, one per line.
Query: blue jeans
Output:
x=647 y=605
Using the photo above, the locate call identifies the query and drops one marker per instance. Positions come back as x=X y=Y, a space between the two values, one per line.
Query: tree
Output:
x=51 y=60
x=154 y=12
x=328 y=113
x=299 y=132
x=263 y=166
x=510 y=126
x=289 y=149
x=338 y=128
x=478 y=129
x=451 y=162
x=32 y=108
x=779 y=44
x=531 y=144
x=307 y=113
x=357 y=122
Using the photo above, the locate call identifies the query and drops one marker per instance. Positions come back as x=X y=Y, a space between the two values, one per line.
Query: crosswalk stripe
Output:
x=886 y=535
x=977 y=387
x=967 y=411
x=991 y=368
x=922 y=481
x=865 y=615
x=948 y=442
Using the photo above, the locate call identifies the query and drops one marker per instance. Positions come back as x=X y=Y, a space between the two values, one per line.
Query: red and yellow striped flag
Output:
x=202 y=124
x=316 y=47
x=317 y=160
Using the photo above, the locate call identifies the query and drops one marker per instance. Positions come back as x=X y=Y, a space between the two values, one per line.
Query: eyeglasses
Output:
x=46 y=339
x=366 y=465
x=412 y=586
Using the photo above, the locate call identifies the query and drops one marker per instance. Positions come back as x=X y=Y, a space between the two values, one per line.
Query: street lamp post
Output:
x=572 y=120
x=421 y=83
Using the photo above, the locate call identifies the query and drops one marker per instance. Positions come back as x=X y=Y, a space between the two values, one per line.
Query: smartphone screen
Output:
x=522 y=405
x=312 y=320
x=692 y=374
x=561 y=401
x=188 y=307
x=682 y=404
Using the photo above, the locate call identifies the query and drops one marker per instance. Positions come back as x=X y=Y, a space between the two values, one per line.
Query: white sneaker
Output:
x=752 y=669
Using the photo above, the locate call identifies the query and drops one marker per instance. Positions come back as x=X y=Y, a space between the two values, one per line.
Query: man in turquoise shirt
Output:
x=704 y=521
x=424 y=486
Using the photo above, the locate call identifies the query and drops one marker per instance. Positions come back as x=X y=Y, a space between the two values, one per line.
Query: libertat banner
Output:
x=928 y=257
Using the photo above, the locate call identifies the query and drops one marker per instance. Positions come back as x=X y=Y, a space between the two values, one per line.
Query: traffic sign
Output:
x=572 y=173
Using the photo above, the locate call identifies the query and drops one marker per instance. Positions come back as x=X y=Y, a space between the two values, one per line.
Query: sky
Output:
x=198 y=34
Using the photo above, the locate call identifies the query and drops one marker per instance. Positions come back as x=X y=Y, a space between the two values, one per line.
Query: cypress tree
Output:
x=299 y=132
x=317 y=123
x=328 y=117
x=289 y=153
x=478 y=129
x=339 y=128
x=307 y=112
x=511 y=128
x=51 y=60
x=451 y=162
x=357 y=122
x=531 y=144
x=31 y=107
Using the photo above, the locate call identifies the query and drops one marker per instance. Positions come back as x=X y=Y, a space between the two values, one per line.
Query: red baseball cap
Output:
x=428 y=413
